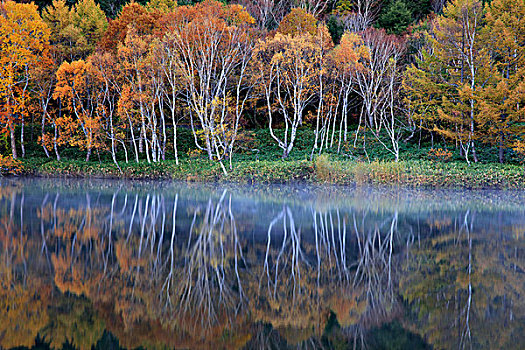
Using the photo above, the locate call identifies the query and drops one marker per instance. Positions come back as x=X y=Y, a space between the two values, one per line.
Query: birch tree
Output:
x=78 y=86
x=362 y=15
x=377 y=85
x=213 y=45
x=288 y=68
x=23 y=46
x=267 y=13
x=142 y=102
x=348 y=59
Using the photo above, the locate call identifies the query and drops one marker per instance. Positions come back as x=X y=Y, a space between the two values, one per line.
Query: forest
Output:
x=165 y=82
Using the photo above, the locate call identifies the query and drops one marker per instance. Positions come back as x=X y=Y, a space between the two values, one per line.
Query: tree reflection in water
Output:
x=192 y=267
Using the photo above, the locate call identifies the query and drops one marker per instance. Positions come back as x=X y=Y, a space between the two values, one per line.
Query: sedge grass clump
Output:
x=325 y=170
x=378 y=172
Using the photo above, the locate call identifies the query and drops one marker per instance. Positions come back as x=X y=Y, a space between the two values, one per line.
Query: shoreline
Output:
x=322 y=171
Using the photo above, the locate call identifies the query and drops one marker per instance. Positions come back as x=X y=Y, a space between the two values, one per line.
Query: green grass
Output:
x=258 y=160
x=421 y=173
x=324 y=169
x=189 y=169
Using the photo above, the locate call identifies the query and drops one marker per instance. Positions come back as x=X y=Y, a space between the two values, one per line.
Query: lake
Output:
x=113 y=264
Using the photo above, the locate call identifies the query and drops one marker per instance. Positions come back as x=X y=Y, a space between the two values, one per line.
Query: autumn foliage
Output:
x=24 y=40
x=75 y=80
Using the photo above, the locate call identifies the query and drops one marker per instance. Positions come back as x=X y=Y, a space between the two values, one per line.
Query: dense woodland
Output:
x=125 y=80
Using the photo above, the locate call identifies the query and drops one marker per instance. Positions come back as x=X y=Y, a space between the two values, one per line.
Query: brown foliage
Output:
x=132 y=15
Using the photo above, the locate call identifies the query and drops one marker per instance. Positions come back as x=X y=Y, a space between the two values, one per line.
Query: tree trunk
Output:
x=502 y=140
x=474 y=155
x=43 y=131
x=175 y=142
x=13 y=142
x=22 y=139
x=133 y=141
x=55 y=146
x=208 y=147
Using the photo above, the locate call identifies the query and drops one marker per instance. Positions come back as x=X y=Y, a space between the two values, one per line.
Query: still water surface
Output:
x=109 y=264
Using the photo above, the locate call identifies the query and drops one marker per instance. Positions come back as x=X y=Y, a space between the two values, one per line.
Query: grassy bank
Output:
x=421 y=173
x=258 y=160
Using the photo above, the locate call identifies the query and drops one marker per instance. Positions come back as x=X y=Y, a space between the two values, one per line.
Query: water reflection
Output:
x=190 y=266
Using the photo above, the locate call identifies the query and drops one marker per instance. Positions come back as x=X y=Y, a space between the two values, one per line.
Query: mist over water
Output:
x=98 y=264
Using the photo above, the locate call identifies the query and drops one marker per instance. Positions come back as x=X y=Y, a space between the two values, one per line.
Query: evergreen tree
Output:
x=396 y=18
